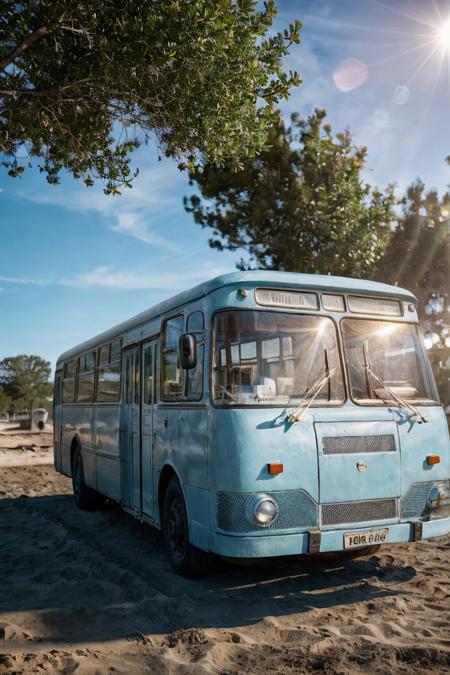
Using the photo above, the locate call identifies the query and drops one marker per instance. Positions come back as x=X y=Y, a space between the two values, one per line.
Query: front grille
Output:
x=343 y=445
x=413 y=504
x=296 y=509
x=358 y=512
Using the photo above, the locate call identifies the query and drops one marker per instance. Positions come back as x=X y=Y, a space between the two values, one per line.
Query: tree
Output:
x=5 y=401
x=300 y=206
x=24 y=379
x=418 y=258
x=203 y=76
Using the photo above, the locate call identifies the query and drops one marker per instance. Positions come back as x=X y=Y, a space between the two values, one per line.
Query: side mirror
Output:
x=188 y=351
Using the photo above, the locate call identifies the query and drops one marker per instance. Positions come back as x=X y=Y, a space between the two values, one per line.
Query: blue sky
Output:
x=74 y=262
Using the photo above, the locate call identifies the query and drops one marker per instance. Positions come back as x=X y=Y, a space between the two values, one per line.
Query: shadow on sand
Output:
x=103 y=576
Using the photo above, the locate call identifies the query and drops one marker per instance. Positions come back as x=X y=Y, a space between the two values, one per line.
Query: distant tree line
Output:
x=24 y=383
x=303 y=206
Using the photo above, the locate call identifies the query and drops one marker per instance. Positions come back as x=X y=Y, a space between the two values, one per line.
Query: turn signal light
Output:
x=274 y=468
x=433 y=459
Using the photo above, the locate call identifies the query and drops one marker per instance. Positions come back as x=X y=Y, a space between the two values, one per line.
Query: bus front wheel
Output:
x=186 y=559
x=85 y=497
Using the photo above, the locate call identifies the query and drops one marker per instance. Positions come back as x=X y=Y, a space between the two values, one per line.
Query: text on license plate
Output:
x=366 y=538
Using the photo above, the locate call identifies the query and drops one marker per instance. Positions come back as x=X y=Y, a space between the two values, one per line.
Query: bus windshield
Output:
x=392 y=352
x=273 y=358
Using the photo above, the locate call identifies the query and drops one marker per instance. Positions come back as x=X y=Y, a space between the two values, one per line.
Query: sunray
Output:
x=353 y=26
x=437 y=9
x=398 y=55
x=406 y=258
x=437 y=241
x=406 y=15
x=419 y=68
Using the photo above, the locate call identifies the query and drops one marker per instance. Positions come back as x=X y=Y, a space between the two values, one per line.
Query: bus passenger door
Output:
x=130 y=436
x=149 y=389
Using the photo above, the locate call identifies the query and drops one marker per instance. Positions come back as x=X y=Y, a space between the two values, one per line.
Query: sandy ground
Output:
x=21 y=448
x=93 y=593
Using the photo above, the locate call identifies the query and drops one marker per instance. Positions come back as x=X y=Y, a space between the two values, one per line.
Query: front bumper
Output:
x=329 y=540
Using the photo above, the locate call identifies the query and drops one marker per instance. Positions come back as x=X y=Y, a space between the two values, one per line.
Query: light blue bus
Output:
x=261 y=414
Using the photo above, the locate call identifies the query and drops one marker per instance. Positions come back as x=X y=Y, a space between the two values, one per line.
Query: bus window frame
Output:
x=424 y=363
x=203 y=332
x=98 y=367
x=148 y=347
x=80 y=372
x=164 y=321
x=281 y=310
x=96 y=351
x=70 y=379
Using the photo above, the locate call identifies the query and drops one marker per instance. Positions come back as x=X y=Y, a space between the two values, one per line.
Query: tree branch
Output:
x=24 y=45
x=45 y=92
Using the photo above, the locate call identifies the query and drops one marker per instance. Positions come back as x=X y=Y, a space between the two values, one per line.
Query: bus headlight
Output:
x=438 y=502
x=262 y=509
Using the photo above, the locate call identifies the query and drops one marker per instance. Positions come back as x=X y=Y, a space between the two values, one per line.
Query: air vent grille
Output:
x=343 y=445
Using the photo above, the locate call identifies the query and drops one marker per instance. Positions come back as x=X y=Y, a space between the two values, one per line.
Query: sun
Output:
x=443 y=36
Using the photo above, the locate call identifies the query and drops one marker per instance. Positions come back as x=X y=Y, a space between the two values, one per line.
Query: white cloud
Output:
x=132 y=224
x=110 y=278
x=24 y=281
x=317 y=84
x=156 y=190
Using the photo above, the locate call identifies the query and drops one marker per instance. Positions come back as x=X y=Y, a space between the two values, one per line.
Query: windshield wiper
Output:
x=300 y=411
x=416 y=414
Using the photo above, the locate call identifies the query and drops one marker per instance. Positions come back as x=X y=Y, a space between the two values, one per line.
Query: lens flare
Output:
x=401 y=95
x=443 y=36
x=351 y=73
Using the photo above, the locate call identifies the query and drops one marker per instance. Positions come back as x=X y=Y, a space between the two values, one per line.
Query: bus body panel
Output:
x=331 y=540
x=57 y=412
x=348 y=469
x=106 y=446
x=243 y=442
x=76 y=424
x=181 y=441
x=420 y=440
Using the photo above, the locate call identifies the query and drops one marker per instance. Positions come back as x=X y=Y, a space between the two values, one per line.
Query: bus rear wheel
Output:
x=85 y=497
x=186 y=559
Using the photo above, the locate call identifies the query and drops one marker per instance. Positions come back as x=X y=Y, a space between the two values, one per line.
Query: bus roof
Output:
x=254 y=277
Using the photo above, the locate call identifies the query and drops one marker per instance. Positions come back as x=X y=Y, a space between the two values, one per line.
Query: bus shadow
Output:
x=76 y=577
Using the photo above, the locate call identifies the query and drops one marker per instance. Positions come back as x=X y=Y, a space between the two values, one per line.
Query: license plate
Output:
x=366 y=538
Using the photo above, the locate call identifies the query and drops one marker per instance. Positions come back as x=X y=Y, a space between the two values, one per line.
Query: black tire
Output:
x=186 y=559
x=85 y=497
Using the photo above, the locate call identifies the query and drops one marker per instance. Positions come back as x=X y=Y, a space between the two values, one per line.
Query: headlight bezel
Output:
x=438 y=502
x=253 y=510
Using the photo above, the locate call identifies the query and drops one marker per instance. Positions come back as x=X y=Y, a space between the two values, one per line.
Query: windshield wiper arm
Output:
x=416 y=412
x=300 y=411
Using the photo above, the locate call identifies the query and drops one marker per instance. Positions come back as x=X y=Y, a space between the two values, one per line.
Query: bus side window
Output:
x=195 y=324
x=171 y=370
x=57 y=394
x=148 y=375
x=129 y=377
x=86 y=378
x=156 y=373
x=108 y=372
x=70 y=371
x=137 y=377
